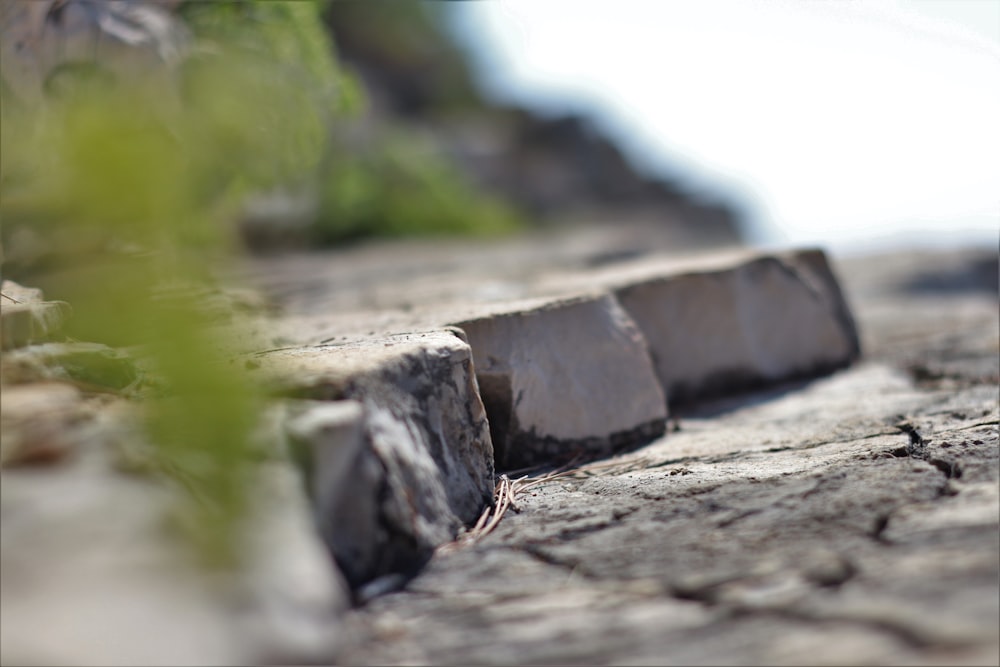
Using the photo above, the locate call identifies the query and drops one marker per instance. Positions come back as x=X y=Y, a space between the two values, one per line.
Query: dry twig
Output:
x=506 y=490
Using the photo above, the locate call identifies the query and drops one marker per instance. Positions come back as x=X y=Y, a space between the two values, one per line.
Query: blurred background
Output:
x=856 y=126
x=852 y=124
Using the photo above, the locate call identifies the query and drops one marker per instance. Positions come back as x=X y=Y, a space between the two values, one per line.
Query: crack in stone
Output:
x=728 y=521
x=711 y=591
x=537 y=552
x=568 y=534
x=879 y=526
x=733 y=456
x=995 y=422
x=916 y=448
x=909 y=635
x=709 y=594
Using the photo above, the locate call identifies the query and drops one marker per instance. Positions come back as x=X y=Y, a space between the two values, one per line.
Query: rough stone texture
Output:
x=346 y=483
x=764 y=320
x=847 y=520
x=430 y=463
x=903 y=295
x=294 y=595
x=714 y=322
x=326 y=439
x=560 y=377
x=744 y=542
x=366 y=279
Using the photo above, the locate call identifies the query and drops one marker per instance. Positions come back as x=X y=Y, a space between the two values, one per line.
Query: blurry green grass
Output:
x=131 y=188
x=128 y=186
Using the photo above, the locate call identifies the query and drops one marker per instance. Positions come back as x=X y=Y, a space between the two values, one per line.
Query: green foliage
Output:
x=130 y=190
x=289 y=36
x=408 y=39
x=278 y=56
x=129 y=185
x=402 y=187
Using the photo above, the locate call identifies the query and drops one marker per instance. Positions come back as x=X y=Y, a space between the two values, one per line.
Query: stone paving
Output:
x=780 y=501
x=851 y=519
x=808 y=528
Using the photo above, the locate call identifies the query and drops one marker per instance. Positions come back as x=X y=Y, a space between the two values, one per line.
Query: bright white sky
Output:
x=848 y=124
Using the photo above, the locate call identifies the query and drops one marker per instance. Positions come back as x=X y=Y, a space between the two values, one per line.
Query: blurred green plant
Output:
x=129 y=192
x=401 y=186
x=128 y=184
x=390 y=179
x=411 y=42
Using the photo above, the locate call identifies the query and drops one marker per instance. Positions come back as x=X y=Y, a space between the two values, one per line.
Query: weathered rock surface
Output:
x=427 y=466
x=713 y=324
x=412 y=275
x=789 y=532
x=847 y=520
x=765 y=529
x=563 y=377
x=16 y=293
x=760 y=321
x=326 y=439
x=347 y=482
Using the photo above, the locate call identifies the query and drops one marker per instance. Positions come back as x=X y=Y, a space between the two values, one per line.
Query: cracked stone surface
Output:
x=851 y=519
x=847 y=520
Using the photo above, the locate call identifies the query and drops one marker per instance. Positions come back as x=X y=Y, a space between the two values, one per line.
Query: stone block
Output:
x=427 y=463
x=757 y=321
x=345 y=482
x=325 y=438
x=564 y=376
